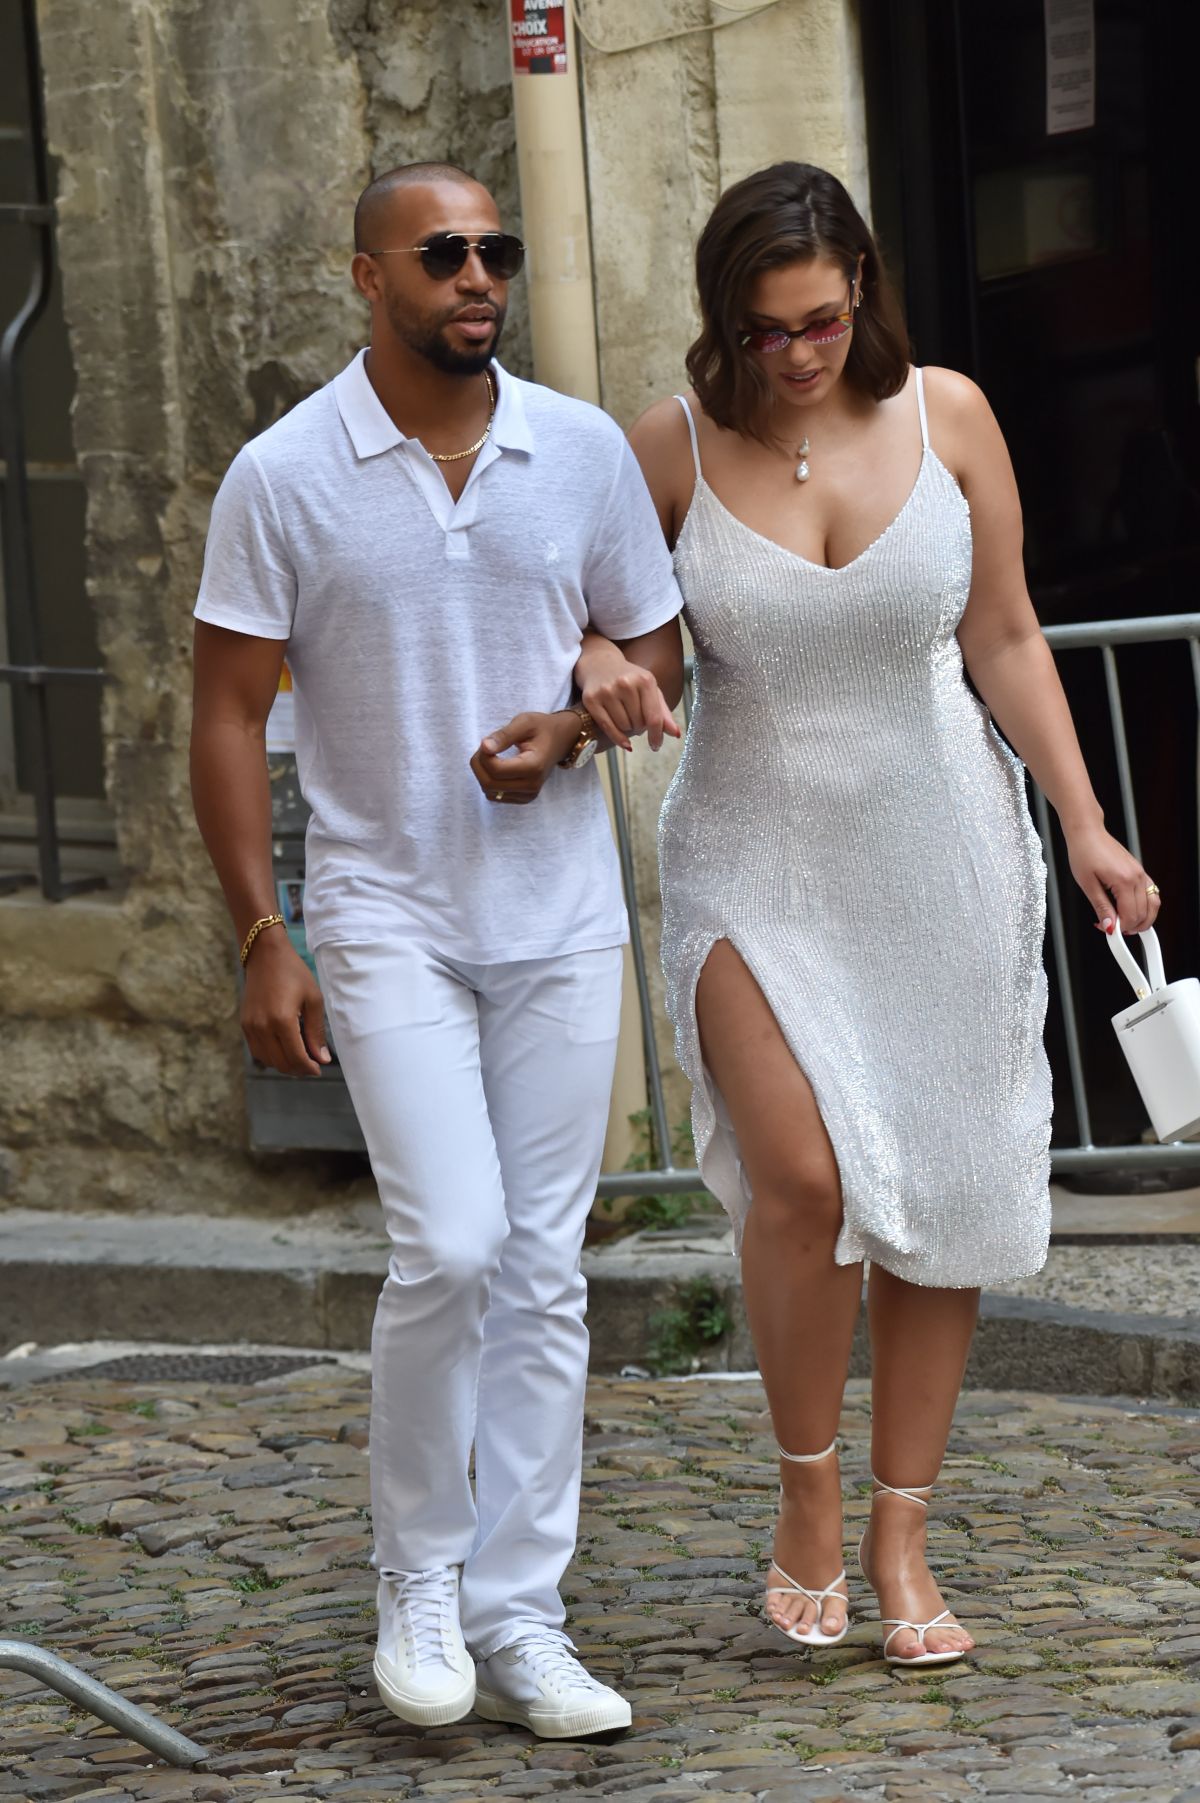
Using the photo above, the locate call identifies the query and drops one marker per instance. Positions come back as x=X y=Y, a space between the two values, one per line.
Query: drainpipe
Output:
x=562 y=316
x=554 y=207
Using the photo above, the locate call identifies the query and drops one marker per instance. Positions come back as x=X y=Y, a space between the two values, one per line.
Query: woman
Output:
x=853 y=889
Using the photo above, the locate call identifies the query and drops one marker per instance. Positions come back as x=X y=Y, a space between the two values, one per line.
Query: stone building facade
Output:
x=208 y=159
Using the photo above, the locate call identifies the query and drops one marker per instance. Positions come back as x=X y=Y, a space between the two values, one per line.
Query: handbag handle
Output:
x=1130 y=965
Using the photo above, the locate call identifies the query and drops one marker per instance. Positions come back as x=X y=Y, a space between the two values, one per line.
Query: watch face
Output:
x=586 y=755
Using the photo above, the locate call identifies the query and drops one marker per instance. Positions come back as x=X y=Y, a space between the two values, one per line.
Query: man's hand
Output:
x=283 y=1015
x=541 y=741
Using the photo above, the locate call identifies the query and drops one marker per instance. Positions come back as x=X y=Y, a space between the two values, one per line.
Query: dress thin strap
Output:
x=687 y=414
x=919 y=373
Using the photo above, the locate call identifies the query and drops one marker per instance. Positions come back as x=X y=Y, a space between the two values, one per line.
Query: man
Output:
x=429 y=539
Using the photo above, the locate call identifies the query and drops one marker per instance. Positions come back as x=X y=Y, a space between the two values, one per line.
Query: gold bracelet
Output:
x=268 y=920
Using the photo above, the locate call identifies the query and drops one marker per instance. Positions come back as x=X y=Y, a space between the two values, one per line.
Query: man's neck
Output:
x=418 y=397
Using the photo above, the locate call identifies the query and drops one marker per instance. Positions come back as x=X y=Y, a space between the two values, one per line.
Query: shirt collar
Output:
x=373 y=430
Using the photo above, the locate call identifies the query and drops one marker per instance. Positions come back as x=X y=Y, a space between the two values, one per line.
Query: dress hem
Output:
x=716 y=1144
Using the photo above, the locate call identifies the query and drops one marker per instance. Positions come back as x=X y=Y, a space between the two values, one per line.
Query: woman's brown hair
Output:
x=789 y=213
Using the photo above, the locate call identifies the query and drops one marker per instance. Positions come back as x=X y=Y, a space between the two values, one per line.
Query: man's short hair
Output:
x=372 y=202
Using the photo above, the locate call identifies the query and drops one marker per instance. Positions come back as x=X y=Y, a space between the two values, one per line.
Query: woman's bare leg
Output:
x=801 y=1306
x=920 y=1339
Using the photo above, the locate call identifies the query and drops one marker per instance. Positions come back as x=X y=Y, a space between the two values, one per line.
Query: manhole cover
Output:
x=199 y=1367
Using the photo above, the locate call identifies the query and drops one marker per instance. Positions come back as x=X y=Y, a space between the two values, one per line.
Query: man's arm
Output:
x=621 y=678
x=235 y=682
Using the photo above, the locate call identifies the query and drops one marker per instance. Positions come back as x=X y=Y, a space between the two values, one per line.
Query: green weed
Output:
x=255 y=1580
x=95 y=1528
x=659 y=1212
x=699 y=1319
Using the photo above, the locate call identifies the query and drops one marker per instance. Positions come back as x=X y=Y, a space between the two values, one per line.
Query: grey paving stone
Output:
x=208 y=1559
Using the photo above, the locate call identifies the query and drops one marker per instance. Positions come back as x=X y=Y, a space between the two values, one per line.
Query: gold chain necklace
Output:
x=457 y=456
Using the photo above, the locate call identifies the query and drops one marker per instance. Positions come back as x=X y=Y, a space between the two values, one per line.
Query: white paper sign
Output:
x=1070 y=65
x=281 y=723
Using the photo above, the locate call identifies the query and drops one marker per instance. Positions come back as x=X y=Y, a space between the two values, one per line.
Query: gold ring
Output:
x=1153 y=889
x=499 y=795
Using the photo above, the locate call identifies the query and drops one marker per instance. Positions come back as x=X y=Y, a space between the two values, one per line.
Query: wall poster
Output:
x=281 y=721
x=539 y=37
x=1070 y=65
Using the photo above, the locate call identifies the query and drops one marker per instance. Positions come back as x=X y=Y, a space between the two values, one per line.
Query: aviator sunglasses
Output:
x=444 y=253
x=819 y=331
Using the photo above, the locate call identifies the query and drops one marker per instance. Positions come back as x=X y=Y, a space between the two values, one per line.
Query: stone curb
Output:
x=160 y=1284
x=1022 y=1343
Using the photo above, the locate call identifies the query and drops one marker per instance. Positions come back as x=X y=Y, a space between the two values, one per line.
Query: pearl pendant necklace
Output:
x=802 y=470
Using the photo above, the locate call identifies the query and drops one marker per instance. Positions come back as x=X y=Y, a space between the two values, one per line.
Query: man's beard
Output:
x=426 y=339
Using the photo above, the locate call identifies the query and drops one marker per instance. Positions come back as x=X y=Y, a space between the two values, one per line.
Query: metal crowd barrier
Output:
x=1105 y=636
x=98 y=1699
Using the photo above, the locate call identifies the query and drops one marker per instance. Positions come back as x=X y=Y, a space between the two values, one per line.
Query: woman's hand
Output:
x=1113 y=880
x=541 y=741
x=623 y=698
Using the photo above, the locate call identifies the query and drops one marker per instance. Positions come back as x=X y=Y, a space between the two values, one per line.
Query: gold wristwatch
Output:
x=584 y=748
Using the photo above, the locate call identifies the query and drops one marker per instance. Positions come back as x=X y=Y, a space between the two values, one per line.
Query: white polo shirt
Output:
x=415 y=625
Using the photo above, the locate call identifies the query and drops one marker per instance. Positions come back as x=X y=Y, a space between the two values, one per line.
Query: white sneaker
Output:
x=422 y=1667
x=538 y=1682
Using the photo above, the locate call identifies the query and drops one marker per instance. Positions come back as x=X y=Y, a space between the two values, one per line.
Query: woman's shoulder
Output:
x=958 y=400
x=964 y=431
x=662 y=423
x=662 y=443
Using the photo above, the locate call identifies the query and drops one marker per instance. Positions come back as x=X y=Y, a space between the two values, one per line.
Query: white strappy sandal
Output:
x=813 y=1634
x=919 y=1628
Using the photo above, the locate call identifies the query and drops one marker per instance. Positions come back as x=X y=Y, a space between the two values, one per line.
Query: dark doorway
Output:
x=53 y=813
x=1053 y=257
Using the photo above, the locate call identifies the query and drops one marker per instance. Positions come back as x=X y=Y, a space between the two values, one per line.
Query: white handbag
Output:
x=1160 y=1037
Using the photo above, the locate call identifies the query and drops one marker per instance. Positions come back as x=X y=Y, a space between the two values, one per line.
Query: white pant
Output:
x=482 y=1091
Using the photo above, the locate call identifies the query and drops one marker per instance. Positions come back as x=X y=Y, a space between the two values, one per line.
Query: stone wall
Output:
x=435 y=83
x=209 y=158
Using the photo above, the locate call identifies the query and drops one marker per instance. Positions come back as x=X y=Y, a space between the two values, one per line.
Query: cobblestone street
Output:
x=203 y=1550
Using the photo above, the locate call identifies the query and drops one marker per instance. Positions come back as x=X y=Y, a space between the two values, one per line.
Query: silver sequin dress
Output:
x=847 y=816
